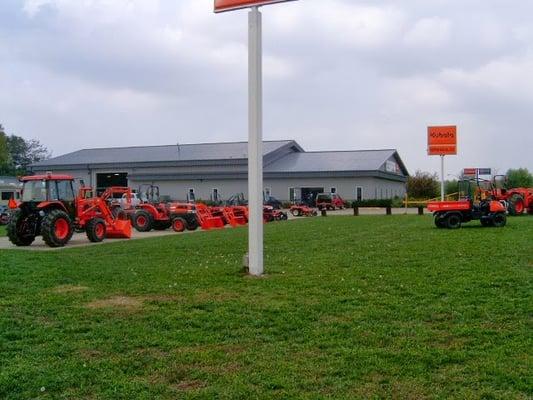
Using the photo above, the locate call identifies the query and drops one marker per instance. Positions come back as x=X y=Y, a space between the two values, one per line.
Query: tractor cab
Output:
x=45 y=191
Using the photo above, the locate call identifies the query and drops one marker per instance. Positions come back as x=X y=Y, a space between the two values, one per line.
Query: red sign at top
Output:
x=229 y=5
x=442 y=140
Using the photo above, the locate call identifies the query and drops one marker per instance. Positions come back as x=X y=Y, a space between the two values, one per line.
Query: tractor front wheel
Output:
x=499 y=220
x=142 y=221
x=56 y=228
x=453 y=221
x=19 y=230
x=96 y=230
x=179 y=224
x=516 y=205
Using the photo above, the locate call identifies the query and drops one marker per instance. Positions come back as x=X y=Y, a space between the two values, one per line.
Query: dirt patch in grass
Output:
x=186 y=385
x=69 y=289
x=129 y=303
x=118 y=302
x=90 y=354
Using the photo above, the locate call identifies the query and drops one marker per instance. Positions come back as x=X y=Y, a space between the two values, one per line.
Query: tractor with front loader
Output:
x=518 y=200
x=469 y=206
x=50 y=208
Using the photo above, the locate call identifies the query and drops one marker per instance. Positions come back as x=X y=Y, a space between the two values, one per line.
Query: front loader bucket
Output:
x=119 y=229
x=212 y=223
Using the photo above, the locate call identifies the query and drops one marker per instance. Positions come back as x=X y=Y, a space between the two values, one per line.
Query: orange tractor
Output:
x=518 y=200
x=50 y=208
x=470 y=206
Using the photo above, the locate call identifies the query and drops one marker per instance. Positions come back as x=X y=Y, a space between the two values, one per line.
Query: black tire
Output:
x=192 y=224
x=283 y=216
x=96 y=230
x=162 y=225
x=15 y=230
x=486 y=221
x=179 y=224
x=440 y=222
x=56 y=228
x=499 y=220
x=142 y=221
x=515 y=198
x=453 y=221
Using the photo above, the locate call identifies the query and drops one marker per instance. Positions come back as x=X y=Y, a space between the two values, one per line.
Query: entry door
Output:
x=359 y=193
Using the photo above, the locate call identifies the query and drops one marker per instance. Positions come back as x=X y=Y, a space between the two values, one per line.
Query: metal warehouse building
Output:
x=212 y=171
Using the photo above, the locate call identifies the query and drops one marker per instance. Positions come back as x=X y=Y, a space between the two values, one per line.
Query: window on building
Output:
x=291 y=195
x=268 y=192
x=359 y=193
x=190 y=195
x=333 y=190
x=7 y=195
x=215 y=196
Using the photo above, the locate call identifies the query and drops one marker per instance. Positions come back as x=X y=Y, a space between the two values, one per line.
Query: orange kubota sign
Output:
x=442 y=140
x=229 y=5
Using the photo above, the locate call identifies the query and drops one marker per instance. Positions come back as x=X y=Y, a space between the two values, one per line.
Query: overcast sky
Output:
x=338 y=75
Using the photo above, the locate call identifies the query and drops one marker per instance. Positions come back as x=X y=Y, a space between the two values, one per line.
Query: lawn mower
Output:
x=49 y=208
x=329 y=201
x=470 y=206
x=271 y=214
x=299 y=210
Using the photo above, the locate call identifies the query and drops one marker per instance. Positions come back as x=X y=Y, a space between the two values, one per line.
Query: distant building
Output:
x=9 y=189
x=218 y=170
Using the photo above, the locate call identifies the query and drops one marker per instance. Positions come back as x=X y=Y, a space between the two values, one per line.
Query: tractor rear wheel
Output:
x=142 y=221
x=96 y=230
x=56 y=228
x=296 y=212
x=192 y=224
x=516 y=205
x=17 y=230
x=440 y=222
x=453 y=221
x=499 y=220
x=179 y=224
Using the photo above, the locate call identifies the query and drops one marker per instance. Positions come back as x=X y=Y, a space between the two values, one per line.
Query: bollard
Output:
x=389 y=210
x=420 y=210
x=324 y=212
x=356 y=211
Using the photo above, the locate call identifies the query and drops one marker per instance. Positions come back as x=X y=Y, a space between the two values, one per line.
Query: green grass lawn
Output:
x=2 y=231
x=367 y=307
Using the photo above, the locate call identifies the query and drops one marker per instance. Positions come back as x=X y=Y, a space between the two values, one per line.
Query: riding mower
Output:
x=471 y=205
x=299 y=210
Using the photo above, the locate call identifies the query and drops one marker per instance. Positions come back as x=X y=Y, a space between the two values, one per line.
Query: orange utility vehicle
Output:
x=470 y=206
x=50 y=208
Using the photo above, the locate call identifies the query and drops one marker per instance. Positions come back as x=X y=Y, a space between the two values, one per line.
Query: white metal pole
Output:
x=255 y=144
x=442 y=178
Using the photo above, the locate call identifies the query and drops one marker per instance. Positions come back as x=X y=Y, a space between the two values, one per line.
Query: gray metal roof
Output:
x=183 y=152
x=330 y=161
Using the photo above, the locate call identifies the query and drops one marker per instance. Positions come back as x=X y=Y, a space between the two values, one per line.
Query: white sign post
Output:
x=255 y=126
x=255 y=143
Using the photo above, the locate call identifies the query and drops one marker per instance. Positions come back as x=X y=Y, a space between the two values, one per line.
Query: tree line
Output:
x=424 y=185
x=17 y=153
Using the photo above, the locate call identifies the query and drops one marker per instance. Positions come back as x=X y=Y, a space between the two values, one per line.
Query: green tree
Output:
x=520 y=177
x=17 y=153
x=423 y=185
x=4 y=152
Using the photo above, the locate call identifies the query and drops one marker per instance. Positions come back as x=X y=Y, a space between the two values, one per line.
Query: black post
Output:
x=324 y=212
x=389 y=210
x=420 y=210
x=356 y=211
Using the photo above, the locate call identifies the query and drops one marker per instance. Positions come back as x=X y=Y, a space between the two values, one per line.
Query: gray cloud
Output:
x=338 y=74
